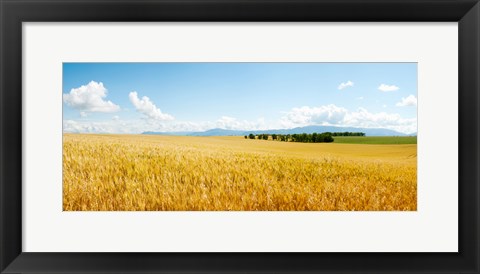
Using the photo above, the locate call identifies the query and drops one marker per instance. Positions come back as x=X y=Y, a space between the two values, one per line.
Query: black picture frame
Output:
x=14 y=12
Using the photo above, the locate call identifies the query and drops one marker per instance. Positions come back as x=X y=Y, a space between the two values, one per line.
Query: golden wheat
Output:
x=138 y=172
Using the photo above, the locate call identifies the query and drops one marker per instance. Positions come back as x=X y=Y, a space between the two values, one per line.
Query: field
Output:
x=179 y=173
x=383 y=140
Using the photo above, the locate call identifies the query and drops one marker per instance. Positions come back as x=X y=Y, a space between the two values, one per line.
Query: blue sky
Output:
x=137 y=97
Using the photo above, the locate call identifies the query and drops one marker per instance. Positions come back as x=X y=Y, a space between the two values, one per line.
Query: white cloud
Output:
x=148 y=108
x=386 y=88
x=90 y=98
x=338 y=116
x=323 y=115
x=360 y=98
x=366 y=119
x=111 y=126
x=141 y=125
x=116 y=118
x=226 y=122
x=83 y=114
x=409 y=101
x=345 y=85
x=90 y=127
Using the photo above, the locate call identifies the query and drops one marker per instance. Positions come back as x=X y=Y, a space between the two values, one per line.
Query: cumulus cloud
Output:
x=116 y=126
x=339 y=116
x=386 y=88
x=73 y=126
x=90 y=98
x=226 y=122
x=409 y=101
x=366 y=119
x=345 y=85
x=138 y=126
x=323 y=115
x=148 y=108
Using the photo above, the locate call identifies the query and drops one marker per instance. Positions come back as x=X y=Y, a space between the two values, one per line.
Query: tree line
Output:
x=326 y=137
x=346 y=133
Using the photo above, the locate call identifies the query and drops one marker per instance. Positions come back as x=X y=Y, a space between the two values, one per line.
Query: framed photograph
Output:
x=239 y=136
x=233 y=138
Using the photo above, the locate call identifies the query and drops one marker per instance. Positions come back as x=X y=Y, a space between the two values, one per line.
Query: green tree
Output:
x=304 y=138
x=327 y=137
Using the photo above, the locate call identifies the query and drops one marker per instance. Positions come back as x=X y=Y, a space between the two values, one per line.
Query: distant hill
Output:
x=218 y=132
x=297 y=130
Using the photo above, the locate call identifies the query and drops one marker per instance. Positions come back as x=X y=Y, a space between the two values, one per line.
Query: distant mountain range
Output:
x=297 y=130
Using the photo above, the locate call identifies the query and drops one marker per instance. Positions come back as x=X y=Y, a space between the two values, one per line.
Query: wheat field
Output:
x=180 y=173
